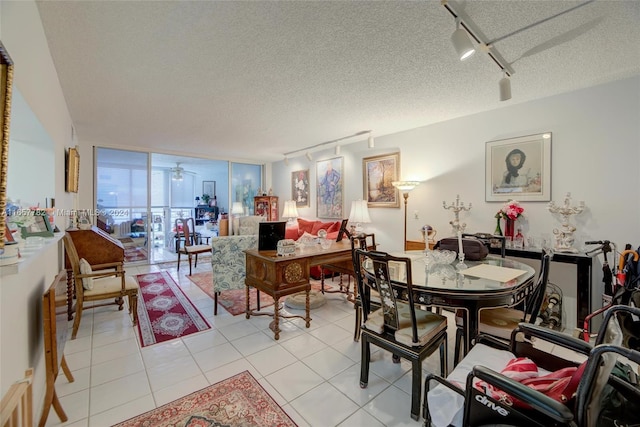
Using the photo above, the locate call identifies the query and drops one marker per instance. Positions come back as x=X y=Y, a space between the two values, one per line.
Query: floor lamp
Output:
x=405 y=187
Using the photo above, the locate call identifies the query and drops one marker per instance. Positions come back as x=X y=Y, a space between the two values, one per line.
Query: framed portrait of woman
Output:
x=519 y=168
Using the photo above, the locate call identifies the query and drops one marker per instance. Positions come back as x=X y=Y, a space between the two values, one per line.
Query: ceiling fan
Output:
x=177 y=172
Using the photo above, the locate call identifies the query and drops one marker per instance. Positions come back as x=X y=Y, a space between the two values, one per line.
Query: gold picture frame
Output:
x=378 y=172
x=6 y=88
x=72 y=170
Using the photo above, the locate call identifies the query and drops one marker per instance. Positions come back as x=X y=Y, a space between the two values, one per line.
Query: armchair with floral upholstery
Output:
x=229 y=263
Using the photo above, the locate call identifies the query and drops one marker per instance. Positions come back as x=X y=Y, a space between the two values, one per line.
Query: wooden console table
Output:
x=280 y=276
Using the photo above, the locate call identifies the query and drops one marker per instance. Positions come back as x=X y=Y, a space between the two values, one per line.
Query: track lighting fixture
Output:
x=370 y=141
x=461 y=42
x=327 y=144
x=505 y=87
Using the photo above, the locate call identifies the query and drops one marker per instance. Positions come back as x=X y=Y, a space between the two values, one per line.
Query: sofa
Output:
x=312 y=227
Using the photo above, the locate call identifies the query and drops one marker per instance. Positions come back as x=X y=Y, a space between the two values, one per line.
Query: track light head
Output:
x=461 y=42
x=337 y=149
x=308 y=156
x=286 y=161
x=505 y=88
x=371 y=142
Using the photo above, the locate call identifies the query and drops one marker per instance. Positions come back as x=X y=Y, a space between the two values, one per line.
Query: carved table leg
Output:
x=69 y=294
x=276 y=316
x=308 y=318
x=248 y=304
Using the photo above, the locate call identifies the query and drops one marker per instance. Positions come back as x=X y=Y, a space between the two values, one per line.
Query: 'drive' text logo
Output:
x=489 y=404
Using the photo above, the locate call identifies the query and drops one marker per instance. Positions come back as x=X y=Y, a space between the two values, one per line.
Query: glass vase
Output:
x=498 y=230
x=508 y=229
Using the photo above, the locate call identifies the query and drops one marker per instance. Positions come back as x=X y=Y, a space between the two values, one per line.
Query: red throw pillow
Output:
x=333 y=235
x=320 y=226
x=304 y=226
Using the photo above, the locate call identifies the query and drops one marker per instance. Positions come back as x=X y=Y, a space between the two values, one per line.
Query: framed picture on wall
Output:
x=519 y=169
x=209 y=187
x=378 y=173
x=72 y=170
x=329 y=190
x=300 y=188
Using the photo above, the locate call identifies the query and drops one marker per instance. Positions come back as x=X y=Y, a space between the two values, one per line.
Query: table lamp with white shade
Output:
x=359 y=215
x=405 y=187
x=290 y=211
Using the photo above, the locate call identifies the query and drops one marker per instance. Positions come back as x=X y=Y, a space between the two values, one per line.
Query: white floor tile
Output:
x=294 y=380
x=271 y=359
x=324 y=405
x=312 y=373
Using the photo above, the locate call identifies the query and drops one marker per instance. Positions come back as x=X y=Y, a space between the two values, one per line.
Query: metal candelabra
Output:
x=564 y=235
x=456 y=208
x=458 y=228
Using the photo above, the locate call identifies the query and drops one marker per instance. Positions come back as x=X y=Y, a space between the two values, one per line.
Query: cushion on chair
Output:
x=429 y=325
x=498 y=322
x=197 y=248
x=85 y=268
x=111 y=284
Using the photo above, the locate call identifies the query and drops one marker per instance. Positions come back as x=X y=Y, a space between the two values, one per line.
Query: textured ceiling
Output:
x=256 y=79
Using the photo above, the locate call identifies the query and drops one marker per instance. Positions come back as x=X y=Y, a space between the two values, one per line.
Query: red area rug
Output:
x=135 y=254
x=164 y=311
x=234 y=300
x=236 y=401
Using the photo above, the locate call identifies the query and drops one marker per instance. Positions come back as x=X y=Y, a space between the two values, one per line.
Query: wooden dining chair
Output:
x=398 y=326
x=500 y=322
x=191 y=247
x=108 y=281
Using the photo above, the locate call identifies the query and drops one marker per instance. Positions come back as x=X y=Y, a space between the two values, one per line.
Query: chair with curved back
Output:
x=362 y=241
x=398 y=326
x=108 y=281
x=191 y=247
x=500 y=322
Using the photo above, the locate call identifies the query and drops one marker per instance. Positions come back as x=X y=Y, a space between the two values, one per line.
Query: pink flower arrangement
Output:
x=511 y=210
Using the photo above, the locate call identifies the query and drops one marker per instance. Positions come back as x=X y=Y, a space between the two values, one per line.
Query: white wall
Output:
x=21 y=293
x=595 y=156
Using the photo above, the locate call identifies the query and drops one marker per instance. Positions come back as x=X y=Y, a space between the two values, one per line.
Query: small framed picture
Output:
x=39 y=227
x=72 y=170
x=519 y=168
x=378 y=174
x=209 y=188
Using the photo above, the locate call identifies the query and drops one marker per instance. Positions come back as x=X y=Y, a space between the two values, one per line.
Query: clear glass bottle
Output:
x=518 y=240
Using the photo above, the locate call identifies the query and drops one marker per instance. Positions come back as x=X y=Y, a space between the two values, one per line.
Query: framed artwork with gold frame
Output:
x=72 y=170
x=6 y=85
x=378 y=172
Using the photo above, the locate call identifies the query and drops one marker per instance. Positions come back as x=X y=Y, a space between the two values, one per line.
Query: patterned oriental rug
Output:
x=234 y=300
x=236 y=401
x=164 y=311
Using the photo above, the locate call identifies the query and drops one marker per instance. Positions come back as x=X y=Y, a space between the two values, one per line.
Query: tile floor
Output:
x=313 y=374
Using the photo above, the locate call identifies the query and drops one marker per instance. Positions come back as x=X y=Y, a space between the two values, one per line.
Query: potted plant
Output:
x=205 y=199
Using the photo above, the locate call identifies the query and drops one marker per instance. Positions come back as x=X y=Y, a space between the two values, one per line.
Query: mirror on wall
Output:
x=6 y=82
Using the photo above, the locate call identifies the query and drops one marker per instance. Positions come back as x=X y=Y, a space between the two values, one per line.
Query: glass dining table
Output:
x=489 y=283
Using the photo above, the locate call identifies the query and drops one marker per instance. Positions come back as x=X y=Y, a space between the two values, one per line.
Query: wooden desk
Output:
x=281 y=276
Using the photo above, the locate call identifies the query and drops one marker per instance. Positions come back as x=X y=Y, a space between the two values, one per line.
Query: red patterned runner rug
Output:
x=236 y=401
x=164 y=311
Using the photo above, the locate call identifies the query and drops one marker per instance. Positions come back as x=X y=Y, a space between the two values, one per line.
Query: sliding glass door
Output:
x=122 y=199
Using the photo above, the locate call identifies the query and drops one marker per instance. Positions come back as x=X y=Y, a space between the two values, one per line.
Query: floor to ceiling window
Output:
x=121 y=199
x=140 y=196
